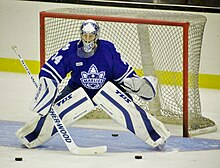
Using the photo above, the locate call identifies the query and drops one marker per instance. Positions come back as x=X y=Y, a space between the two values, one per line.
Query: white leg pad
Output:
x=129 y=115
x=70 y=109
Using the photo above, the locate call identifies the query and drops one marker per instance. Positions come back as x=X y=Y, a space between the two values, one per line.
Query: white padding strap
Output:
x=44 y=97
x=70 y=109
x=129 y=115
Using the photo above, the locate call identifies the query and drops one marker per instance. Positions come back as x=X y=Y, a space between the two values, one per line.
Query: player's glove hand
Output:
x=44 y=97
x=144 y=87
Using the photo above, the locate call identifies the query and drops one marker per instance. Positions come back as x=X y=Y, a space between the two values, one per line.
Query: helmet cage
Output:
x=89 y=35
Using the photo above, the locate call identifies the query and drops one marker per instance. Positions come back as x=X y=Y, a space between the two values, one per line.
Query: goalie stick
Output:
x=73 y=148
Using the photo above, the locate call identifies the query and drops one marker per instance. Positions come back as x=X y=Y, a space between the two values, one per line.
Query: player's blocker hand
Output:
x=44 y=97
x=144 y=87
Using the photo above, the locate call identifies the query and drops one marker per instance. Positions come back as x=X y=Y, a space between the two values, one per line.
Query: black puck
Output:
x=114 y=135
x=18 y=159
x=138 y=157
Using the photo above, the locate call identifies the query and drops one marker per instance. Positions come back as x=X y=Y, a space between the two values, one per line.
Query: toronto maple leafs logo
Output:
x=93 y=79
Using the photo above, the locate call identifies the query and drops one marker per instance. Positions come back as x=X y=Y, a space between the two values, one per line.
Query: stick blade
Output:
x=90 y=150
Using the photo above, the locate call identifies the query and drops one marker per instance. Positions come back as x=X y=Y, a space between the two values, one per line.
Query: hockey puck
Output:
x=114 y=135
x=18 y=159
x=138 y=157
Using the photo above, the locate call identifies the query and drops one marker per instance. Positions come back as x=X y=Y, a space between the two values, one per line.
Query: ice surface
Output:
x=16 y=93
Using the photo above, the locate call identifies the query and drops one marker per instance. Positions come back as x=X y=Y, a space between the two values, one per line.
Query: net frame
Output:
x=185 y=42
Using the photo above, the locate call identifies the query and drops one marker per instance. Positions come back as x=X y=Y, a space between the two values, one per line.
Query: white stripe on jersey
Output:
x=46 y=70
x=54 y=71
x=128 y=72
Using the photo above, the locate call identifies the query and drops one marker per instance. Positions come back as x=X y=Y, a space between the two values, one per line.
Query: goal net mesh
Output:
x=152 y=49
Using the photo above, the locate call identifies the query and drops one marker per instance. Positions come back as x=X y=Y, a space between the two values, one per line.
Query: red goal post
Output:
x=74 y=15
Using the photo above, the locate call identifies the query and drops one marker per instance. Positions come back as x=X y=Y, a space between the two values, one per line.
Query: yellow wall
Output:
x=14 y=65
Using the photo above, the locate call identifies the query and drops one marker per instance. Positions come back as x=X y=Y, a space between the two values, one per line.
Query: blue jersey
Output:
x=90 y=73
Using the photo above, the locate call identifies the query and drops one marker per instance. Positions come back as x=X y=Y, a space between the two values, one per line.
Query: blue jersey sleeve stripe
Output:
x=125 y=75
x=54 y=71
x=116 y=80
x=49 y=72
x=129 y=73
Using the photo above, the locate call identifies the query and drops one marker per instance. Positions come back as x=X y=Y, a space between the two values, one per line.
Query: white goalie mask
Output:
x=89 y=32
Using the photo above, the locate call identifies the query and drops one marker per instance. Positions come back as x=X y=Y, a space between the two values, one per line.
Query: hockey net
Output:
x=167 y=45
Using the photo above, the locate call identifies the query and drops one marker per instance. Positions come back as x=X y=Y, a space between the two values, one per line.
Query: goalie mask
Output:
x=89 y=33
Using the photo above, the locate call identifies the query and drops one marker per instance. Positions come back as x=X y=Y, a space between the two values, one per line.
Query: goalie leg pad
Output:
x=129 y=115
x=70 y=109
